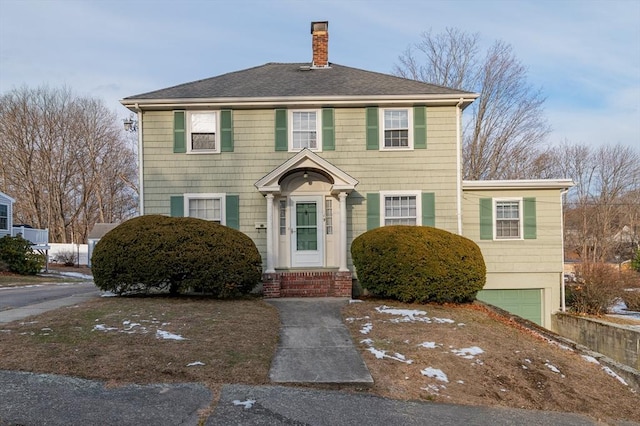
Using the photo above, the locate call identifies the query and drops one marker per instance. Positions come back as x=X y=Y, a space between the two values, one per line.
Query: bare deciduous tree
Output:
x=601 y=218
x=66 y=161
x=505 y=136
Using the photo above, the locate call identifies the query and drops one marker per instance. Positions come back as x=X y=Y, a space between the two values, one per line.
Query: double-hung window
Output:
x=396 y=129
x=205 y=206
x=508 y=219
x=305 y=130
x=202 y=132
x=401 y=208
x=4 y=217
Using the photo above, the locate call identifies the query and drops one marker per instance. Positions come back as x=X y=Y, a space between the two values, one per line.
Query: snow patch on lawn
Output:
x=553 y=368
x=591 y=359
x=409 y=314
x=380 y=354
x=468 y=353
x=614 y=375
x=435 y=373
x=366 y=328
x=75 y=275
x=161 y=334
x=103 y=327
x=429 y=345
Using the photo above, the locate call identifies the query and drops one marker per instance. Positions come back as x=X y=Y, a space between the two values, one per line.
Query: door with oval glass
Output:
x=307 y=245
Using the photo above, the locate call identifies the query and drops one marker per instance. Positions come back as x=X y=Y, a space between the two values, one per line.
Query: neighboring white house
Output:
x=6 y=214
x=39 y=238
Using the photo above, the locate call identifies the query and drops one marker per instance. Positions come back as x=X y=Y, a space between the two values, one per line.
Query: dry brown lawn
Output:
x=116 y=340
x=515 y=369
x=8 y=279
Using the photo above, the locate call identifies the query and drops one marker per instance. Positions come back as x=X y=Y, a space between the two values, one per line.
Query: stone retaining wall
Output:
x=617 y=341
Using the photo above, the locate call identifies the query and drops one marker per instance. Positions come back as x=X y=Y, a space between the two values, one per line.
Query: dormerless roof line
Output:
x=274 y=82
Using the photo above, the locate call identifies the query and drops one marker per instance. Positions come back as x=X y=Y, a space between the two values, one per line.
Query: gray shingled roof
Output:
x=283 y=80
x=100 y=229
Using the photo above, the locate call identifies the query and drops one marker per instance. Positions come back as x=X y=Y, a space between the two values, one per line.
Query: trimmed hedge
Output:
x=16 y=255
x=419 y=264
x=177 y=254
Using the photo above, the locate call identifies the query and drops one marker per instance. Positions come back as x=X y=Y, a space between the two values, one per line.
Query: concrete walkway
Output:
x=315 y=346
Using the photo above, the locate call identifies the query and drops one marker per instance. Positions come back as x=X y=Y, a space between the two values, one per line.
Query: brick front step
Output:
x=307 y=284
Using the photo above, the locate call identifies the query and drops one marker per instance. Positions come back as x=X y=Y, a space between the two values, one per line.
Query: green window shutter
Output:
x=373 y=210
x=373 y=136
x=428 y=209
x=177 y=206
x=281 y=130
x=328 y=130
x=486 y=219
x=179 y=133
x=529 y=207
x=420 y=127
x=226 y=131
x=232 y=211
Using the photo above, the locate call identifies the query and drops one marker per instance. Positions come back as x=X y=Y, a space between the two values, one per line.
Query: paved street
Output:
x=17 y=297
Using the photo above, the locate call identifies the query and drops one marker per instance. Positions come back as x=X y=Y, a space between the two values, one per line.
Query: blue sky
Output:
x=584 y=55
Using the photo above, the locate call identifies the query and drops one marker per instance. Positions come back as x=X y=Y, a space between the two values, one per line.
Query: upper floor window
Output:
x=508 y=219
x=396 y=129
x=400 y=208
x=4 y=217
x=205 y=206
x=202 y=132
x=305 y=130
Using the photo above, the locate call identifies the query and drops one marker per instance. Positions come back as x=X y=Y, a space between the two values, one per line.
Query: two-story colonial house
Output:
x=304 y=157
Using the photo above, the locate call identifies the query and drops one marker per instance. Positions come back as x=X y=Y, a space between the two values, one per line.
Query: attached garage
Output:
x=524 y=303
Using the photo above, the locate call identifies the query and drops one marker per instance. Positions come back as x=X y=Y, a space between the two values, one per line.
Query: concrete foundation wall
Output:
x=618 y=342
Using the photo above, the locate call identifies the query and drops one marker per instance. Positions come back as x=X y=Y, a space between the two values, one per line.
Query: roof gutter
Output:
x=253 y=102
x=469 y=185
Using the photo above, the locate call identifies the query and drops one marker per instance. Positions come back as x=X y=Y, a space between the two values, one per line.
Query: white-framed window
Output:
x=202 y=132
x=4 y=217
x=305 y=130
x=205 y=206
x=396 y=129
x=508 y=218
x=400 y=208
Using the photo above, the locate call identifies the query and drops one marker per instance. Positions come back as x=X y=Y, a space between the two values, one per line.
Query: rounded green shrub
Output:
x=18 y=256
x=177 y=254
x=418 y=264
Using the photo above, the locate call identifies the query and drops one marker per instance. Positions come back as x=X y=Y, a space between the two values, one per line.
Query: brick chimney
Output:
x=320 y=44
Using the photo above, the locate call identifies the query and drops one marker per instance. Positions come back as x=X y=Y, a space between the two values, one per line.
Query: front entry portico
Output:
x=306 y=227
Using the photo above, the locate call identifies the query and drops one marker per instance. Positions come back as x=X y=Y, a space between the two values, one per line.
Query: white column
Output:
x=343 y=232
x=270 y=268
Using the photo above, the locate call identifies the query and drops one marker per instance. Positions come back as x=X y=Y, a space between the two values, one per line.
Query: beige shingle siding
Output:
x=543 y=254
x=522 y=264
x=427 y=170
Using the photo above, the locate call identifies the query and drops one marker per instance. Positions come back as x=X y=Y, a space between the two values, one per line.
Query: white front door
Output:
x=307 y=231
